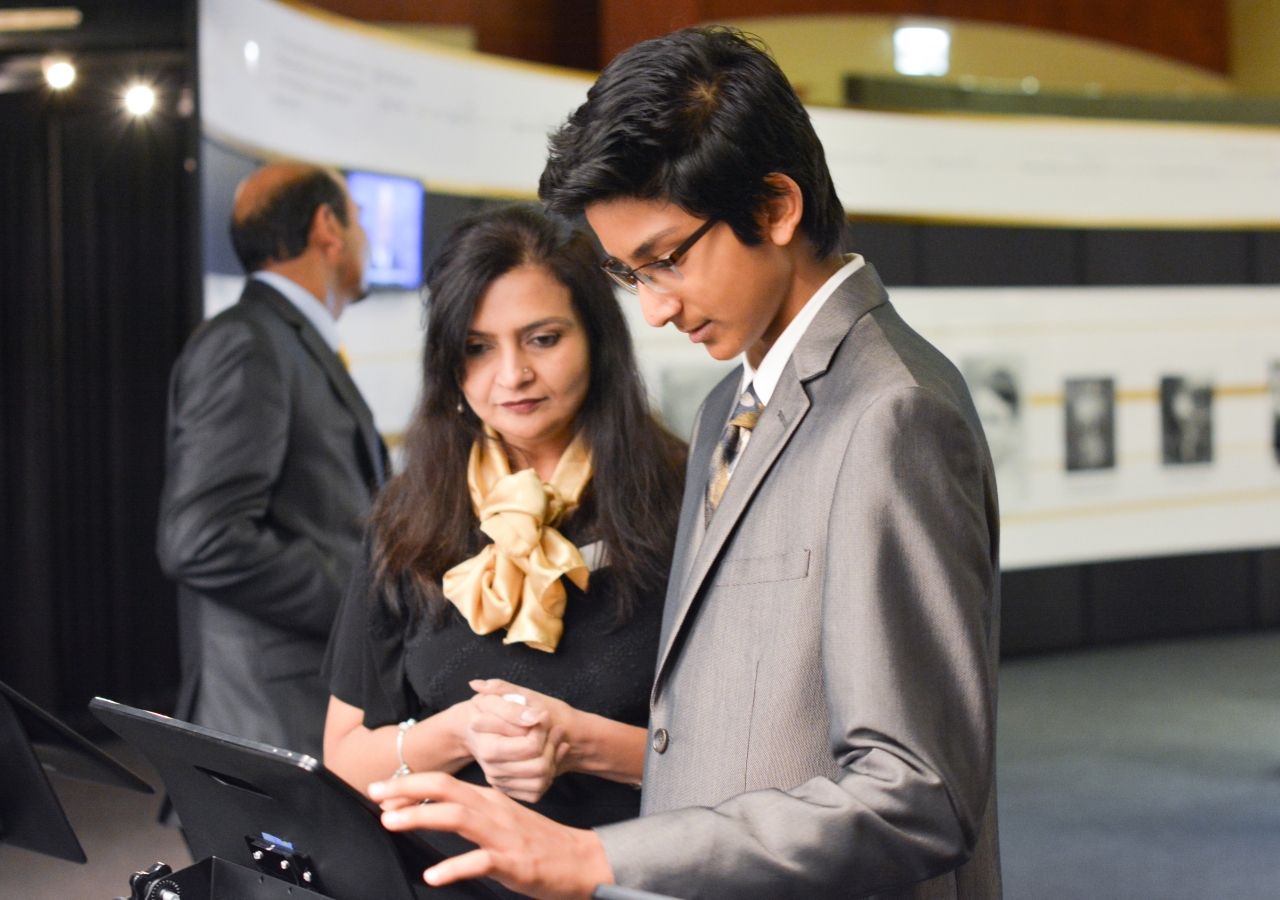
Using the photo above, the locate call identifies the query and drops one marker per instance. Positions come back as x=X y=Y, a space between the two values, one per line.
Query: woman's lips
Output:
x=699 y=334
x=522 y=406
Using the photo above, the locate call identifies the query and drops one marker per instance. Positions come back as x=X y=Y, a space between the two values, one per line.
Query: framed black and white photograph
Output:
x=996 y=386
x=1273 y=384
x=1090 y=408
x=1186 y=420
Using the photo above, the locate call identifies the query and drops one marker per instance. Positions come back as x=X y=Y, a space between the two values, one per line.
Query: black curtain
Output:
x=98 y=290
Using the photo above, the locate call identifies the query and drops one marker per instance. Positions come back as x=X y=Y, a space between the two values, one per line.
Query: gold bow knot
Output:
x=514 y=583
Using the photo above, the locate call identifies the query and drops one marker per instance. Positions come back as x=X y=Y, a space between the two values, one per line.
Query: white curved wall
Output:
x=329 y=91
x=321 y=88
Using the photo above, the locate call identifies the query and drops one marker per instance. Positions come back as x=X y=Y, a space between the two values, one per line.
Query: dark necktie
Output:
x=726 y=452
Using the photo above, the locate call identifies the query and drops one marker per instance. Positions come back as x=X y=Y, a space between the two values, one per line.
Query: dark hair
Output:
x=279 y=230
x=423 y=523
x=699 y=118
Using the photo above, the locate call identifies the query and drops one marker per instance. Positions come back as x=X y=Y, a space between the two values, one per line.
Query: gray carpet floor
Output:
x=1143 y=773
x=119 y=834
x=1137 y=773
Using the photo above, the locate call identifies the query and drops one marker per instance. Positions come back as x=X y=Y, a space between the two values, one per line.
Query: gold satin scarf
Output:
x=514 y=583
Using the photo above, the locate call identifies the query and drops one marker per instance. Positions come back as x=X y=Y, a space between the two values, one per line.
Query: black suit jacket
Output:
x=272 y=461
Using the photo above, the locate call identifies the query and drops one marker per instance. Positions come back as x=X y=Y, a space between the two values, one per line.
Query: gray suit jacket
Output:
x=823 y=715
x=272 y=460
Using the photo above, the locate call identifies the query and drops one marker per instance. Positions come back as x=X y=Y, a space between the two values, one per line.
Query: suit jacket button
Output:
x=660 y=740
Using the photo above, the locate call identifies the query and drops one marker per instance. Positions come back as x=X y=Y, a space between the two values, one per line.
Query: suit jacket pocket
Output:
x=790 y=566
x=290 y=660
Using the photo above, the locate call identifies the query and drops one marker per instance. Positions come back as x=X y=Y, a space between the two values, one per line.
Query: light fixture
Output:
x=251 y=53
x=46 y=18
x=140 y=99
x=59 y=73
x=921 y=50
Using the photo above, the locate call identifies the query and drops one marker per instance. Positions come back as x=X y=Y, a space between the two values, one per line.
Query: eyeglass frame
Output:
x=630 y=279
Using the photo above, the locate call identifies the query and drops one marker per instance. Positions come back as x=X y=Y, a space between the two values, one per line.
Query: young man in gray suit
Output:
x=823 y=714
x=272 y=461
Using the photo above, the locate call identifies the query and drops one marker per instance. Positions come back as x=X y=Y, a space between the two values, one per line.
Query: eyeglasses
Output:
x=661 y=275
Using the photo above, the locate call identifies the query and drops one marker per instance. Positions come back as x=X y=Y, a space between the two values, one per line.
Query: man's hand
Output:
x=515 y=744
x=516 y=847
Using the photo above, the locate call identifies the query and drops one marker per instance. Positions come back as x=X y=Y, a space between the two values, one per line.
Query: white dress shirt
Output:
x=766 y=377
x=308 y=304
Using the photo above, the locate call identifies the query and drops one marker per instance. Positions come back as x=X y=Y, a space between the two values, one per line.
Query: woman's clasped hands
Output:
x=520 y=738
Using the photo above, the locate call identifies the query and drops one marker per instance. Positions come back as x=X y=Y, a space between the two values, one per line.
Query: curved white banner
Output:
x=306 y=84
x=1046 y=171
x=319 y=88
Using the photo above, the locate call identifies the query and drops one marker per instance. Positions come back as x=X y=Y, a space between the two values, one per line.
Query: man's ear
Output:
x=780 y=219
x=326 y=231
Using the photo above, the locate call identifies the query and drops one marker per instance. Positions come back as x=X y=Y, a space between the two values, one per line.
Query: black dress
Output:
x=393 y=674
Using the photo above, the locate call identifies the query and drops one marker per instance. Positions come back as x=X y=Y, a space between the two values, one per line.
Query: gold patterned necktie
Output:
x=730 y=446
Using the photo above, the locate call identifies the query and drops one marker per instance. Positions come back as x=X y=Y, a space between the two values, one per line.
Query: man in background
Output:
x=272 y=461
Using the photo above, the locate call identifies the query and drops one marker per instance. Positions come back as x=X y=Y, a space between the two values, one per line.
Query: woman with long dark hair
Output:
x=505 y=627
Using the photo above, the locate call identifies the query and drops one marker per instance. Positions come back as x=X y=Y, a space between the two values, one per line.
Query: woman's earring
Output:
x=460 y=409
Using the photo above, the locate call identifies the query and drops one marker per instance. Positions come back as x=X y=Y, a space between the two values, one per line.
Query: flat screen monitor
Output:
x=391 y=213
x=235 y=796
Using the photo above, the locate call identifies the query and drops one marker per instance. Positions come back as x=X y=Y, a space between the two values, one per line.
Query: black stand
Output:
x=213 y=879
x=31 y=742
x=217 y=879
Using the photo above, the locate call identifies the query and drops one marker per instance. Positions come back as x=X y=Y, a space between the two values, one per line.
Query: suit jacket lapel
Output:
x=337 y=373
x=351 y=397
x=783 y=414
x=715 y=412
x=781 y=417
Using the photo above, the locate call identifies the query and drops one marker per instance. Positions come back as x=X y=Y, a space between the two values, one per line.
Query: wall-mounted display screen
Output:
x=391 y=213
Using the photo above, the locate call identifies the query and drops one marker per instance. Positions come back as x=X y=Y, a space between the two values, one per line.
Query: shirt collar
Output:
x=766 y=377
x=307 y=303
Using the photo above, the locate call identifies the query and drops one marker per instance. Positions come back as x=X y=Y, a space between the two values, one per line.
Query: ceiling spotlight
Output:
x=251 y=53
x=59 y=74
x=140 y=99
x=921 y=50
